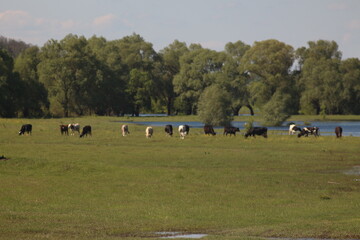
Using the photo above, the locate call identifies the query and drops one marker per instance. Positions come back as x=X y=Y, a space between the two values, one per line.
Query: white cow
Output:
x=74 y=127
x=125 y=130
x=149 y=132
x=183 y=131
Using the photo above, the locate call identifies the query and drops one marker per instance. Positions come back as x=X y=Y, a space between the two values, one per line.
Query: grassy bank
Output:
x=113 y=187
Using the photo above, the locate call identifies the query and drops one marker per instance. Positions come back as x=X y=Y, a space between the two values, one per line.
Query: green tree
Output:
x=68 y=69
x=276 y=111
x=214 y=106
x=139 y=59
x=34 y=101
x=199 y=68
x=166 y=71
x=320 y=80
x=350 y=72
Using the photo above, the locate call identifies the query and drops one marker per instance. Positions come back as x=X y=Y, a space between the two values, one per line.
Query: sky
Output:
x=211 y=23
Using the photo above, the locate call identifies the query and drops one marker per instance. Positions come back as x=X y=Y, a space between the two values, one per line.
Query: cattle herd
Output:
x=74 y=128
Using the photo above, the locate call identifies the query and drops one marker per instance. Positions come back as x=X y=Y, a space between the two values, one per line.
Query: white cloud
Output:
x=215 y=45
x=104 y=20
x=14 y=18
x=347 y=37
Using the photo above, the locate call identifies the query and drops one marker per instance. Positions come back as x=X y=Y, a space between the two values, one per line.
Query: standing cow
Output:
x=183 y=131
x=169 y=130
x=209 y=130
x=231 y=130
x=293 y=129
x=64 y=129
x=86 y=130
x=149 y=132
x=74 y=127
x=338 y=131
x=125 y=130
x=261 y=131
x=26 y=128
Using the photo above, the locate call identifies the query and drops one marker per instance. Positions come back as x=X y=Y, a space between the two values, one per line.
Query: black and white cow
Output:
x=309 y=130
x=261 y=131
x=209 y=130
x=338 y=131
x=86 y=130
x=74 y=127
x=169 y=130
x=26 y=128
x=231 y=130
x=293 y=129
x=183 y=131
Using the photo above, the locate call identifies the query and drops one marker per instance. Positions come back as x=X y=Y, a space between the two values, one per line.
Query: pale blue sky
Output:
x=212 y=23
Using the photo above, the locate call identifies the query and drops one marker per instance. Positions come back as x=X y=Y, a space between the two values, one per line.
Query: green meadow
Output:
x=112 y=187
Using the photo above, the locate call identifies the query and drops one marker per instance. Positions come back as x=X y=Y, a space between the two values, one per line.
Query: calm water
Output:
x=350 y=128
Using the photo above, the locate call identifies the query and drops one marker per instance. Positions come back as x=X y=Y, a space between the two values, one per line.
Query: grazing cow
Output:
x=64 y=129
x=26 y=128
x=209 y=130
x=261 y=131
x=149 y=132
x=169 y=130
x=231 y=130
x=309 y=130
x=74 y=127
x=125 y=130
x=293 y=129
x=86 y=130
x=183 y=131
x=338 y=131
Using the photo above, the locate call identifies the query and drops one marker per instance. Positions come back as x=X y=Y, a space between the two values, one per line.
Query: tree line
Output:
x=77 y=76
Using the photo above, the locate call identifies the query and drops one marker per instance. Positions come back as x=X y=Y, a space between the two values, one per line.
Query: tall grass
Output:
x=112 y=187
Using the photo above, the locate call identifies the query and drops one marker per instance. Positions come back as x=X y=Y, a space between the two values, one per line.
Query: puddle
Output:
x=168 y=235
x=354 y=171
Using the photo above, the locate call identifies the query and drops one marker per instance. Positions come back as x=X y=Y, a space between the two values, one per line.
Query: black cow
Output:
x=26 y=128
x=309 y=130
x=169 y=129
x=261 y=131
x=86 y=130
x=231 y=130
x=64 y=129
x=209 y=130
x=338 y=131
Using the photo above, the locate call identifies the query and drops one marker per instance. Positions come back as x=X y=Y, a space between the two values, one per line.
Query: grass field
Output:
x=113 y=187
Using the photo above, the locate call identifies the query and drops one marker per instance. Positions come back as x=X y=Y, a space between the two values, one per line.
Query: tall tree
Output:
x=34 y=97
x=166 y=71
x=320 y=80
x=139 y=58
x=350 y=72
x=199 y=68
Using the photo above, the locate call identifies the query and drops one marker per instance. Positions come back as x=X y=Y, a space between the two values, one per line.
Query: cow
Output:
x=338 y=131
x=149 y=132
x=231 y=130
x=86 y=130
x=261 y=131
x=74 y=127
x=309 y=130
x=293 y=129
x=169 y=130
x=125 y=130
x=64 y=129
x=26 y=128
x=183 y=131
x=209 y=130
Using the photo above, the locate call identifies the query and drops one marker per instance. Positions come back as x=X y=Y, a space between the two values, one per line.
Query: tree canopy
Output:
x=77 y=76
